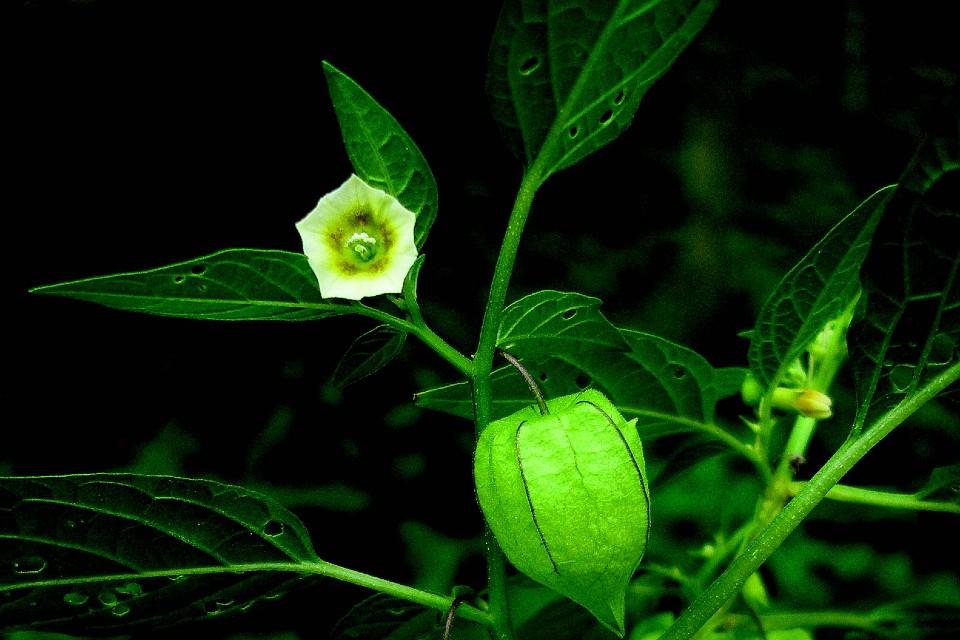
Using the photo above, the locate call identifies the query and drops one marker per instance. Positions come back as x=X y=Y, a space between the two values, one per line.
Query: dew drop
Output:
x=618 y=99
x=569 y=314
x=198 y=269
x=543 y=376
x=108 y=599
x=75 y=598
x=679 y=373
x=120 y=610
x=573 y=132
x=606 y=116
x=29 y=565
x=175 y=578
x=273 y=528
x=179 y=279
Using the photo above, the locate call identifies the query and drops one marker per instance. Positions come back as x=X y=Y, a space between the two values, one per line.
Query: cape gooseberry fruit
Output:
x=566 y=496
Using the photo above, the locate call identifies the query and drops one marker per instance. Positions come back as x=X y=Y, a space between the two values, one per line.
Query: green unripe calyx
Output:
x=566 y=496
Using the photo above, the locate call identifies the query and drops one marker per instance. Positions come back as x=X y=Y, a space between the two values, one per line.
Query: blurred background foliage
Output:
x=150 y=132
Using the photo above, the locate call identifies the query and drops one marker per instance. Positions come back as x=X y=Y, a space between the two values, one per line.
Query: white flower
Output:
x=358 y=241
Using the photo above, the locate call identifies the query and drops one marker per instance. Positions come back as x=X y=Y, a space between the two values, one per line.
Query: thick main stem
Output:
x=757 y=552
x=482 y=387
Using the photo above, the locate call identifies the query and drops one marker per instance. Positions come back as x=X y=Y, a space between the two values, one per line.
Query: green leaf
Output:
x=815 y=291
x=369 y=353
x=410 y=303
x=943 y=484
x=566 y=77
x=685 y=456
x=381 y=151
x=910 y=330
x=235 y=284
x=105 y=553
x=547 y=321
x=383 y=617
x=567 y=345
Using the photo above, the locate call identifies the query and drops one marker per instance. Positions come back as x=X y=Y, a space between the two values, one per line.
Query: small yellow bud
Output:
x=806 y=402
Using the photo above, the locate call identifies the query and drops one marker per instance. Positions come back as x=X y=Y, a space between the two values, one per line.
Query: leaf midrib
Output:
x=157 y=527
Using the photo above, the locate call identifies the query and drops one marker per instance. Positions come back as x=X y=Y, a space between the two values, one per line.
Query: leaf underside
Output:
x=368 y=354
x=567 y=345
x=235 y=284
x=816 y=290
x=105 y=553
x=383 y=617
x=381 y=151
x=566 y=76
x=911 y=326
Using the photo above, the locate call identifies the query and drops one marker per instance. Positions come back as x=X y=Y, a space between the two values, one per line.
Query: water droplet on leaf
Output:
x=75 y=598
x=121 y=609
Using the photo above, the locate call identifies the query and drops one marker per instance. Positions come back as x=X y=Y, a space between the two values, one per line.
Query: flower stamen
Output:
x=363 y=246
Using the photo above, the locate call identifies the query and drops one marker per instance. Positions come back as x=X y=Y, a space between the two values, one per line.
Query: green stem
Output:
x=873 y=497
x=713 y=430
x=806 y=620
x=426 y=335
x=482 y=385
x=321 y=568
x=756 y=553
x=487 y=345
x=800 y=437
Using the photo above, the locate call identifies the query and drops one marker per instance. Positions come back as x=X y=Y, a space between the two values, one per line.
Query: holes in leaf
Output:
x=606 y=116
x=583 y=380
x=108 y=599
x=543 y=376
x=29 y=565
x=618 y=99
x=179 y=279
x=201 y=287
x=529 y=65
x=198 y=269
x=573 y=132
x=941 y=350
x=679 y=373
x=900 y=377
x=569 y=314
x=273 y=528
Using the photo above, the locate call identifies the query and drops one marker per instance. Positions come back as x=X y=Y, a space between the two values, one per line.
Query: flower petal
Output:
x=329 y=232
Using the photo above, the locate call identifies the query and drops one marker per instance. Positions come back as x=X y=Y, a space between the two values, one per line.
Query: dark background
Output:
x=149 y=132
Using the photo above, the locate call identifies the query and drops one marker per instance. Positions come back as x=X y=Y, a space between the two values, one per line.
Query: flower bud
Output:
x=750 y=391
x=566 y=496
x=806 y=402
